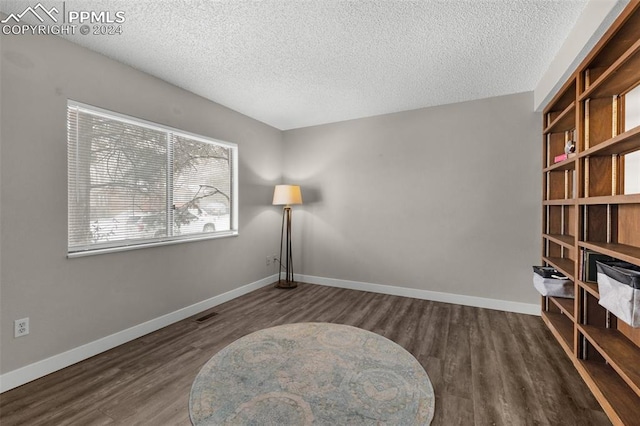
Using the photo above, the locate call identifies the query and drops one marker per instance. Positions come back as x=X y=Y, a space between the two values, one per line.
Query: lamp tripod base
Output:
x=285 y=241
x=286 y=284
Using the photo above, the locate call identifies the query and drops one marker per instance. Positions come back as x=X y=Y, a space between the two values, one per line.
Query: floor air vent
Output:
x=206 y=317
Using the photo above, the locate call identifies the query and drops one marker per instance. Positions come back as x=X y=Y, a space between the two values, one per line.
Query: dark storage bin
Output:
x=619 y=287
x=548 y=272
x=550 y=282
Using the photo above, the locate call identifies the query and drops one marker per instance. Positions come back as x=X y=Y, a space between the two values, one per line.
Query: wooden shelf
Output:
x=624 y=252
x=620 y=353
x=568 y=164
x=565 y=305
x=619 y=77
x=621 y=144
x=567 y=241
x=611 y=199
x=592 y=288
x=565 y=121
x=562 y=328
x=563 y=265
x=616 y=398
x=563 y=202
x=612 y=68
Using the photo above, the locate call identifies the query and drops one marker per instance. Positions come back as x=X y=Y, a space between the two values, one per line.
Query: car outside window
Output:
x=133 y=183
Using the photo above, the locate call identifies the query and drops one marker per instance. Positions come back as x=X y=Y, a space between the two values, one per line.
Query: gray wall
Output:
x=75 y=301
x=444 y=199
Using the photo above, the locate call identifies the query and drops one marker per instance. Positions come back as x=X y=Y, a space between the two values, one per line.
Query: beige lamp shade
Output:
x=286 y=195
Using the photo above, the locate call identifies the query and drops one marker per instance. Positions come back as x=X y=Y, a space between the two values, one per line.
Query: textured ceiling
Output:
x=293 y=63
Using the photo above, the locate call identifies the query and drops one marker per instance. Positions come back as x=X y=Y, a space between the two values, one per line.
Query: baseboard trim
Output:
x=459 y=299
x=38 y=369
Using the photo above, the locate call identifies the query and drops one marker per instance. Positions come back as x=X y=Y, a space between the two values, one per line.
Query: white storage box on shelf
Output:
x=619 y=287
x=552 y=285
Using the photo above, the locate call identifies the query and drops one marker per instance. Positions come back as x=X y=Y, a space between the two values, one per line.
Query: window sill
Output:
x=147 y=244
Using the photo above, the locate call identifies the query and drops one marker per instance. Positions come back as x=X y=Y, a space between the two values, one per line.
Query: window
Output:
x=133 y=183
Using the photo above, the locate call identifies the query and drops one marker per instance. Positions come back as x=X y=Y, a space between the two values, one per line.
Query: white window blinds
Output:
x=133 y=183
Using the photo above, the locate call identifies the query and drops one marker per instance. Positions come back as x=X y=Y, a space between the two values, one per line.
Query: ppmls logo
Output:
x=34 y=11
x=86 y=21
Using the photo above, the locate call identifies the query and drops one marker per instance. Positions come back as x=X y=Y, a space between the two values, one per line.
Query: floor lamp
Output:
x=286 y=195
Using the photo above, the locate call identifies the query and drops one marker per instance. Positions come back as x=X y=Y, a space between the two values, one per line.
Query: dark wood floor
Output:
x=487 y=367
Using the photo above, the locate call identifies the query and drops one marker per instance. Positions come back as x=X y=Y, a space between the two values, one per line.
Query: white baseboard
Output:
x=459 y=299
x=39 y=369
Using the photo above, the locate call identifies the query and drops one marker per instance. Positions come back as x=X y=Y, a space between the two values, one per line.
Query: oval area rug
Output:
x=312 y=373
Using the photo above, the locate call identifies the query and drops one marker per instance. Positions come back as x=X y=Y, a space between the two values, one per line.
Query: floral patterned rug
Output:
x=312 y=373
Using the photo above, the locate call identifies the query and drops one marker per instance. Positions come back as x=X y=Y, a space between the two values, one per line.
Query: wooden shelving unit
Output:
x=563 y=265
x=619 y=352
x=592 y=288
x=565 y=305
x=585 y=208
x=625 y=142
x=564 y=121
x=562 y=328
x=624 y=252
x=560 y=202
x=611 y=199
x=564 y=240
x=611 y=391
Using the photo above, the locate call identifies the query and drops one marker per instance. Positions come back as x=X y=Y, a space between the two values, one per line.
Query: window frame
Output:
x=125 y=245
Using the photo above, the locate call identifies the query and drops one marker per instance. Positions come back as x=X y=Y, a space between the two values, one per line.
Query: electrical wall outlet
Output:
x=274 y=259
x=268 y=260
x=21 y=327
